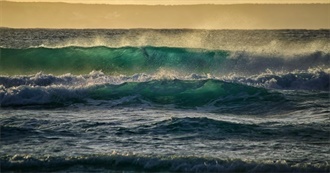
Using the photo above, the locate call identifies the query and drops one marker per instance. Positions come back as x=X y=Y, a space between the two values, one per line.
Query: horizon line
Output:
x=166 y=4
x=4 y=27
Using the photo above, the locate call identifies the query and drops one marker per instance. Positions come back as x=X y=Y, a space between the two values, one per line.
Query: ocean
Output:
x=147 y=100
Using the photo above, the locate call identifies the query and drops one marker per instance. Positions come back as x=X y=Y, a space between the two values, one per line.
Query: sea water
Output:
x=164 y=100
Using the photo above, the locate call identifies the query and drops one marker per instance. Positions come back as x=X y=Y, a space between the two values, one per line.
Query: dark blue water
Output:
x=164 y=100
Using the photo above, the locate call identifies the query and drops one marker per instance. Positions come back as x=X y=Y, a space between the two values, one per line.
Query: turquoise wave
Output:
x=188 y=93
x=223 y=96
x=125 y=60
x=150 y=60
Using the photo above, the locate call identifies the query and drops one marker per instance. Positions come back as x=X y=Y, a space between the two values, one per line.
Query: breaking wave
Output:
x=161 y=88
x=131 y=162
x=132 y=60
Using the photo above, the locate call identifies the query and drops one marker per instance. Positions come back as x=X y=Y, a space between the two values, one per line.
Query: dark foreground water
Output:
x=164 y=101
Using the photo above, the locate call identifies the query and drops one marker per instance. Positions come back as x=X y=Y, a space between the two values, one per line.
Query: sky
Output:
x=209 y=14
x=175 y=2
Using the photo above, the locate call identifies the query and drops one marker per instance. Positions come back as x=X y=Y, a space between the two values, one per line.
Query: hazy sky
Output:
x=235 y=16
x=172 y=2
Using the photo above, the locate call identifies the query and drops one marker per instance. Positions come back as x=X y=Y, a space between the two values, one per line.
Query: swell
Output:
x=203 y=128
x=232 y=94
x=134 y=162
x=180 y=129
x=181 y=93
x=131 y=60
x=186 y=93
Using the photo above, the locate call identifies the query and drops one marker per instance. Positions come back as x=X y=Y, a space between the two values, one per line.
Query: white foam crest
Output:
x=38 y=95
x=42 y=88
x=147 y=163
x=311 y=79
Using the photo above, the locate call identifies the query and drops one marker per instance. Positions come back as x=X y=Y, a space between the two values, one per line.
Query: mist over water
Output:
x=268 y=41
x=164 y=100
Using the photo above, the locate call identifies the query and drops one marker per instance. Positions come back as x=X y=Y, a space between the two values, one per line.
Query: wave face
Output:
x=131 y=60
x=180 y=93
x=127 y=60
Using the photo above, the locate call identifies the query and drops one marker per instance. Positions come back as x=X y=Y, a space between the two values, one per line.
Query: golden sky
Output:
x=175 y=2
x=207 y=16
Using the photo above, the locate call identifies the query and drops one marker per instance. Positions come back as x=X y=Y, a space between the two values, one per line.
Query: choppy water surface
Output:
x=164 y=100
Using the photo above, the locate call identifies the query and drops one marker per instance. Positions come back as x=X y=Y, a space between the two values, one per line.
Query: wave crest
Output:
x=134 y=162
